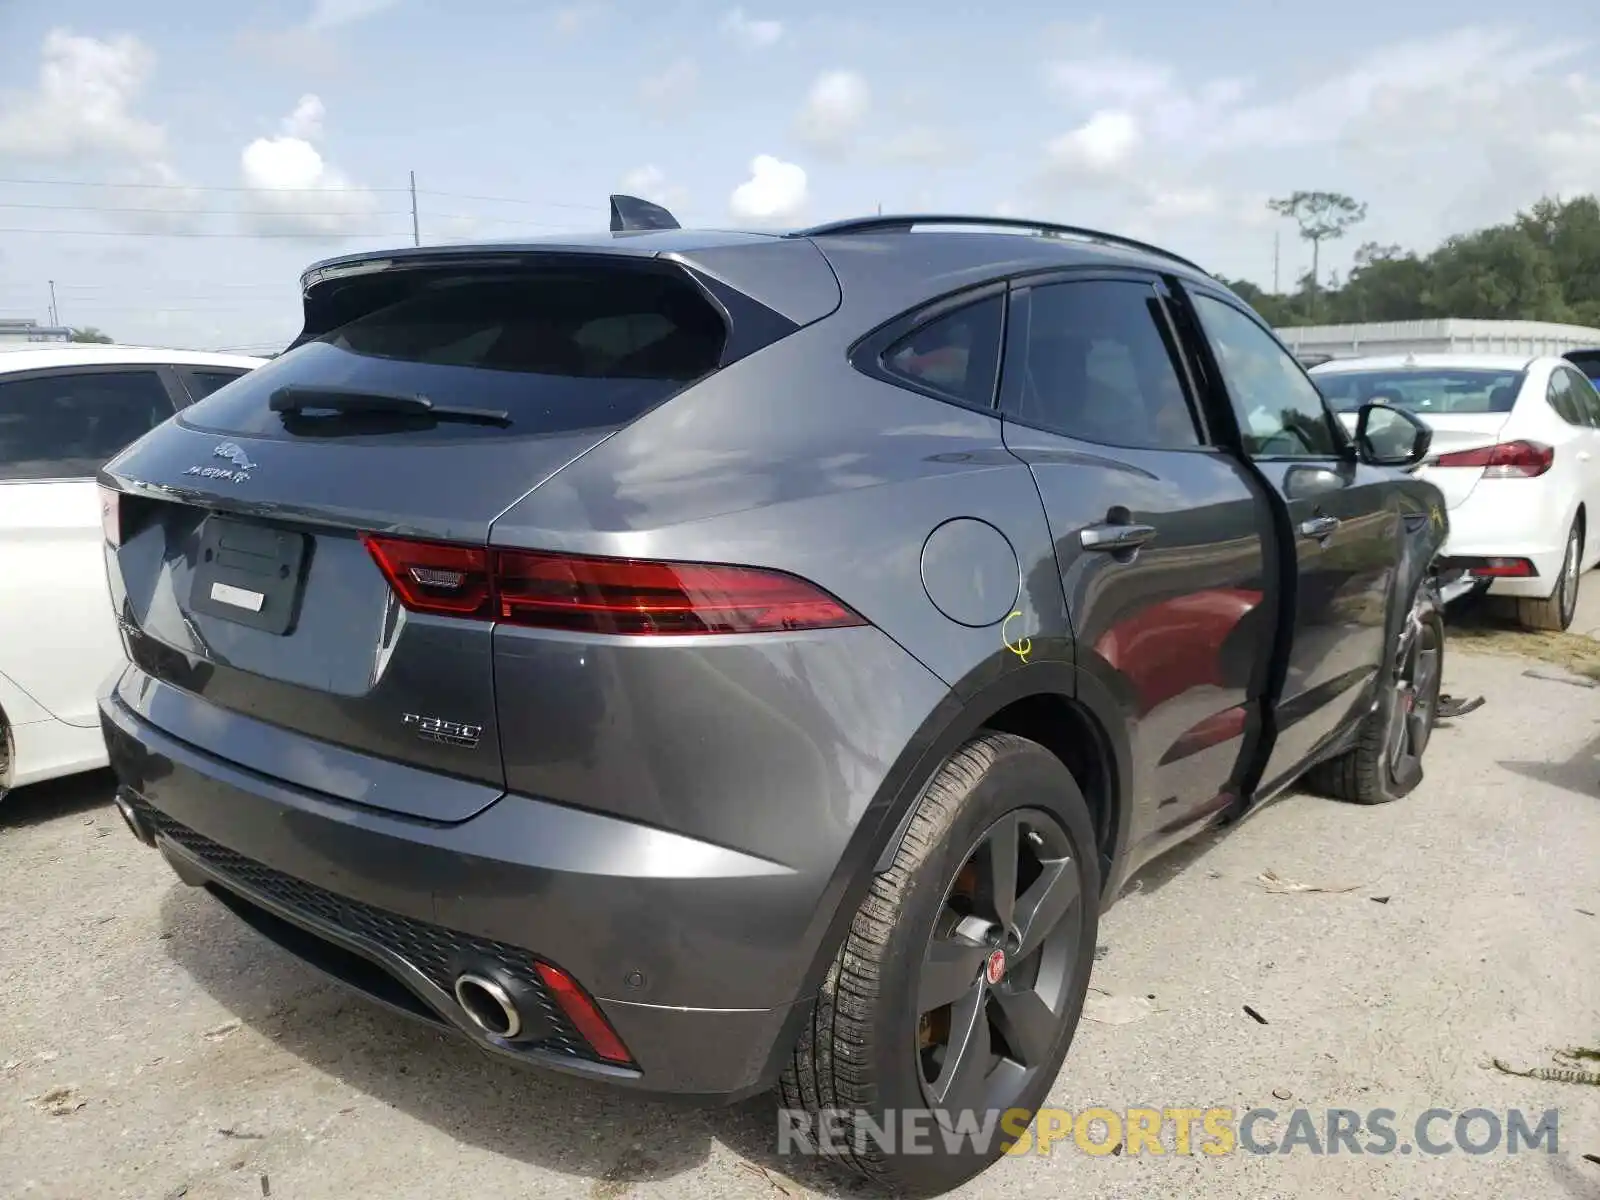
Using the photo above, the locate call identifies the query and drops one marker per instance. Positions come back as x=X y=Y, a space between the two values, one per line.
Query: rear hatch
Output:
x=242 y=565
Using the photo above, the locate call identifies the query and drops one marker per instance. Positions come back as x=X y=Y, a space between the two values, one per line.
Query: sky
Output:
x=174 y=166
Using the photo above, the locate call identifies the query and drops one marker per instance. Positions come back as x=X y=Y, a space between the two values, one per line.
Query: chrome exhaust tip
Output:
x=488 y=1006
x=130 y=818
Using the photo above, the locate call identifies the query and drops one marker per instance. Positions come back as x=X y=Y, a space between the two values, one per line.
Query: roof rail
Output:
x=904 y=224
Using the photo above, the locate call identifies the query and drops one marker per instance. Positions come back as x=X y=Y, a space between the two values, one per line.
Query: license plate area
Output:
x=249 y=574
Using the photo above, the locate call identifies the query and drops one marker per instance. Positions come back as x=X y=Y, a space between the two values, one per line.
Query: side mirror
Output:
x=1391 y=437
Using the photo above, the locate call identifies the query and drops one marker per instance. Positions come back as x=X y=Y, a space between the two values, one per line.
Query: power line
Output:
x=173 y=187
x=204 y=212
x=304 y=237
x=400 y=191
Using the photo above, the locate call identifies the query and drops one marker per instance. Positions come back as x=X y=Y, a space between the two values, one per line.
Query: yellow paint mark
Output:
x=1023 y=646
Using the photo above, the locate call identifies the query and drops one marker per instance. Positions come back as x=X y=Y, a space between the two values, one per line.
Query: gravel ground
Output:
x=156 y=1048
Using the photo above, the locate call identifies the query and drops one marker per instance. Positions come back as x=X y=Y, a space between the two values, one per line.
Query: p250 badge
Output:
x=446 y=733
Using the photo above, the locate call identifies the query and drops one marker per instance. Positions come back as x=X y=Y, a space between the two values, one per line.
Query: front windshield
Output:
x=1423 y=391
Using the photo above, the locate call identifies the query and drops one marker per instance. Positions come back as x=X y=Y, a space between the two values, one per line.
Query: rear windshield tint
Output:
x=558 y=352
x=1424 y=392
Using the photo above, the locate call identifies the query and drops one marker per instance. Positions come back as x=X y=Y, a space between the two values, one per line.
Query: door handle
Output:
x=1583 y=456
x=1115 y=537
x=1320 y=528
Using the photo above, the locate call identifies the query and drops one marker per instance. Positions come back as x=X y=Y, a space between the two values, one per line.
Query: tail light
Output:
x=1506 y=460
x=601 y=595
x=1504 y=568
x=435 y=577
x=111 y=516
x=584 y=1014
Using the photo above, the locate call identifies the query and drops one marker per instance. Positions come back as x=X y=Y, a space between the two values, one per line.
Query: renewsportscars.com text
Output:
x=1210 y=1131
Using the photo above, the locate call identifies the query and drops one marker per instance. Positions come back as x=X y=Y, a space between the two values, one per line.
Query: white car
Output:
x=1516 y=452
x=65 y=410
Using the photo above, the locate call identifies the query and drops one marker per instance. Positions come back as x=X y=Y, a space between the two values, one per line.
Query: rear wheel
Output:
x=1555 y=612
x=1386 y=761
x=949 y=1008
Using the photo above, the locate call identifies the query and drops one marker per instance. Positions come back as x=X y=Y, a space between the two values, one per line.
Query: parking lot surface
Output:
x=154 y=1047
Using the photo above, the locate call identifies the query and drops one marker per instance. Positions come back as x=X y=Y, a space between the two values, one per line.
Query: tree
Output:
x=1322 y=216
x=90 y=334
x=1542 y=265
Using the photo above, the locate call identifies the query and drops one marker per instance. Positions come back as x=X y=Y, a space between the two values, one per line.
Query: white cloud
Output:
x=293 y=190
x=774 y=193
x=82 y=110
x=312 y=44
x=82 y=107
x=834 y=110
x=651 y=183
x=1100 y=146
x=671 y=88
x=757 y=34
x=305 y=122
x=328 y=14
x=1439 y=134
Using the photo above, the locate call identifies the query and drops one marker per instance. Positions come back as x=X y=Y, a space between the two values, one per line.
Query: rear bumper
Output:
x=1512 y=518
x=620 y=908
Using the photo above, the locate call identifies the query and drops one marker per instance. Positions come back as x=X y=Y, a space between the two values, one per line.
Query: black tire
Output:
x=1554 y=613
x=1369 y=772
x=866 y=1049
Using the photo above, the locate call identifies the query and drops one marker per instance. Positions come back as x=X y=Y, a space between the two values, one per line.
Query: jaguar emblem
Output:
x=231 y=452
x=237 y=473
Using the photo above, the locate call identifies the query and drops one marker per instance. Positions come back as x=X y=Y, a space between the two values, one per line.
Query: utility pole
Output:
x=416 y=237
x=1275 y=263
x=54 y=319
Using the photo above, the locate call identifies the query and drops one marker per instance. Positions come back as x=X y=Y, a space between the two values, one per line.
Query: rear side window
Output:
x=557 y=351
x=1563 y=399
x=1588 y=399
x=68 y=425
x=201 y=383
x=1099 y=366
x=955 y=355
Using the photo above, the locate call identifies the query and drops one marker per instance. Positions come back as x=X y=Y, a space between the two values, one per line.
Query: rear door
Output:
x=1161 y=539
x=1341 y=518
x=58 y=638
x=1574 y=400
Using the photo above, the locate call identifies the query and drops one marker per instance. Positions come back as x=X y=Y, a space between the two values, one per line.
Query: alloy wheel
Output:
x=997 y=973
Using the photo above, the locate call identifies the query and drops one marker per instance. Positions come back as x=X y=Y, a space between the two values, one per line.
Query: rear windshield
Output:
x=557 y=352
x=1444 y=391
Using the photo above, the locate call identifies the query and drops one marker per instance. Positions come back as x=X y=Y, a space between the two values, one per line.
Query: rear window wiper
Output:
x=301 y=398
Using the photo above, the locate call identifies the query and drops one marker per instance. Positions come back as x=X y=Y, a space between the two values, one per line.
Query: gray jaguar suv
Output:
x=711 y=662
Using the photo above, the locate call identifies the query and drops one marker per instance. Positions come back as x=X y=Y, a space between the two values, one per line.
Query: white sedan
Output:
x=1516 y=452
x=64 y=411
